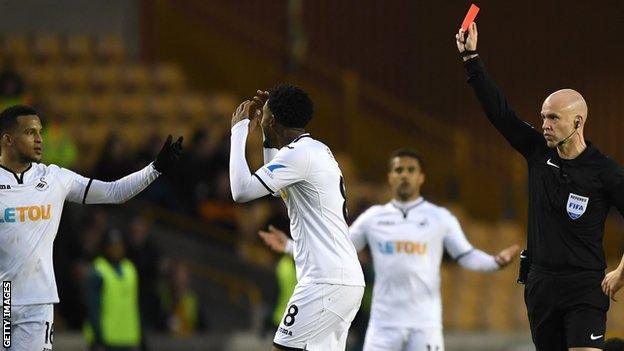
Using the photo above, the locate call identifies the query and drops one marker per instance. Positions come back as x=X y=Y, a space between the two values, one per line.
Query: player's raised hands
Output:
x=613 y=282
x=261 y=97
x=168 y=155
x=274 y=238
x=467 y=42
x=247 y=110
x=506 y=256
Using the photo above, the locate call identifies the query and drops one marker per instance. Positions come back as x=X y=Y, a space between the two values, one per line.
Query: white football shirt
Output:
x=310 y=182
x=407 y=245
x=31 y=204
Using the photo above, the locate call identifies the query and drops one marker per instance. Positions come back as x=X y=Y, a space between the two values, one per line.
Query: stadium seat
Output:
x=75 y=77
x=78 y=48
x=105 y=77
x=42 y=77
x=167 y=77
x=134 y=77
x=46 y=47
x=109 y=48
x=101 y=107
x=16 y=48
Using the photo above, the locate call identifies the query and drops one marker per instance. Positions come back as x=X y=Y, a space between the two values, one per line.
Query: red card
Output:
x=470 y=17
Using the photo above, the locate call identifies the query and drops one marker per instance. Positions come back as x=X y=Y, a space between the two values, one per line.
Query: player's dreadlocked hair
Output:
x=407 y=152
x=291 y=106
x=8 y=117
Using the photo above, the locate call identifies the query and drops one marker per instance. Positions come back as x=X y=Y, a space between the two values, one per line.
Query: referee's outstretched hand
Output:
x=168 y=155
x=506 y=256
x=274 y=238
x=613 y=282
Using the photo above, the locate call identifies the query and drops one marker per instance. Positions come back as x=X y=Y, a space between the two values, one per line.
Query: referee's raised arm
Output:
x=519 y=134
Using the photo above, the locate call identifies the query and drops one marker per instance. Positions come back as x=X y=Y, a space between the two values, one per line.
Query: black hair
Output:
x=406 y=152
x=291 y=106
x=8 y=117
x=614 y=344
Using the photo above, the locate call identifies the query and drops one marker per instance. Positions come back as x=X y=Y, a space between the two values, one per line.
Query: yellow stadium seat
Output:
x=79 y=48
x=47 y=47
x=163 y=107
x=42 y=77
x=105 y=77
x=15 y=47
x=101 y=107
x=194 y=107
x=74 y=77
x=167 y=77
x=110 y=48
x=131 y=107
x=135 y=77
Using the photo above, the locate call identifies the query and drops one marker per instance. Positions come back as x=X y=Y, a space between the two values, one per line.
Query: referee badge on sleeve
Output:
x=576 y=205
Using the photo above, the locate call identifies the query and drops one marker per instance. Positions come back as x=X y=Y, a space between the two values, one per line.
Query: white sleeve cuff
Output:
x=289 y=247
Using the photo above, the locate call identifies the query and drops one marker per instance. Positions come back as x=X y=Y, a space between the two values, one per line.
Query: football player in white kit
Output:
x=31 y=202
x=407 y=237
x=305 y=174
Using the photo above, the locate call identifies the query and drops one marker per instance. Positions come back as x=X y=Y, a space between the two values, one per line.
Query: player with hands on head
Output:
x=303 y=171
x=572 y=186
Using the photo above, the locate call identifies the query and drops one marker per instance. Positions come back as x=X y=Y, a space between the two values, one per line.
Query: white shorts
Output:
x=32 y=327
x=318 y=317
x=403 y=339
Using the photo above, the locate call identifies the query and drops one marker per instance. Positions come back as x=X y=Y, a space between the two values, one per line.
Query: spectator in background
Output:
x=113 y=299
x=11 y=87
x=58 y=143
x=115 y=161
x=286 y=281
x=181 y=303
x=146 y=257
x=614 y=344
x=199 y=168
x=161 y=192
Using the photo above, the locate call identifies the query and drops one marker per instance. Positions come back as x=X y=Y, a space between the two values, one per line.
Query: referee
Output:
x=572 y=185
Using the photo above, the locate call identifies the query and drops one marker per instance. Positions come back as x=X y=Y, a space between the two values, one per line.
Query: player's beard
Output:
x=405 y=191
x=25 y=158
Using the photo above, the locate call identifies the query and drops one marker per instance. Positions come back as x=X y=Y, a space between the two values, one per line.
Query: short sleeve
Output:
x=455 y=241
x=77 y=186
x=289 y=166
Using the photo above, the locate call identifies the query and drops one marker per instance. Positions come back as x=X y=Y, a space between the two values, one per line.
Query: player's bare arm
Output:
x=274 y=238
x=614 y=281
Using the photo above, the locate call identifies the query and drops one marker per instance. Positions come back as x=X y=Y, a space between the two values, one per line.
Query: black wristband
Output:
x=468 y=53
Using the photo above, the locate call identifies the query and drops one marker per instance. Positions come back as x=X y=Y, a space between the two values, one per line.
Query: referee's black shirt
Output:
x=568 y=199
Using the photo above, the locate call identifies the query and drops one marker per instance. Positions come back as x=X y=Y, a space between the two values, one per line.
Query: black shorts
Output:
x=566 y=309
